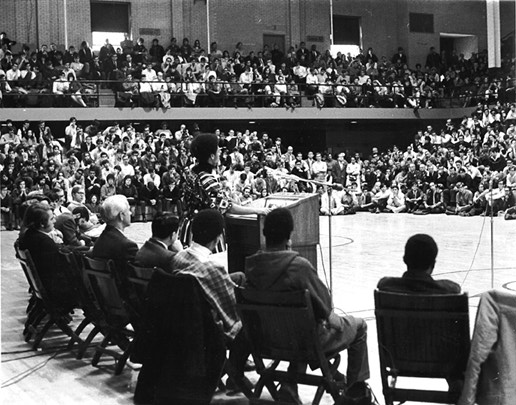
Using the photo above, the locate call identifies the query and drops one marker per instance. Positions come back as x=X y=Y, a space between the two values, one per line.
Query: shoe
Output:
x=341 y=380
x=249 y=366
x=234 y=389
x=358 y=393
x=288 y=393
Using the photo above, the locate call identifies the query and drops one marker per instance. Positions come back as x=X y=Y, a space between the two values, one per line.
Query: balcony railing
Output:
x=163 y=94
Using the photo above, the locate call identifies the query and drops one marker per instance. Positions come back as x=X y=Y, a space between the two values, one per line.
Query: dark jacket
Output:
x=113 y=244
x=50 y=266
x=286 y=270
x=154 y=254
x=339 y=175
x=419 y=283
x=66 y=224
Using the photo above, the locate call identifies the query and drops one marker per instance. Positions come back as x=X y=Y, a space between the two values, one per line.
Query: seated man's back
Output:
x=155 y=252
x=112 y=243
x=277 y=268
x=420 y=254
x=215 y=282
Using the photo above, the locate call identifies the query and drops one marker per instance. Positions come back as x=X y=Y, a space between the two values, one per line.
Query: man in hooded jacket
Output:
x=277 y=268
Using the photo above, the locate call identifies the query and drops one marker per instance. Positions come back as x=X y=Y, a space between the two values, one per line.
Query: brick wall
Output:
x=233 y=21
x=18 y=19
x=384 y=23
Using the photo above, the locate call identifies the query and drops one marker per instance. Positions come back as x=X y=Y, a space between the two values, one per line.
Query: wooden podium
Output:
x=244 y=233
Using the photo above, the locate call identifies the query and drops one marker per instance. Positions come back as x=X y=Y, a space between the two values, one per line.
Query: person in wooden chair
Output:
x=420 y=254
x=278 y=268
x=159 y=250
x=112 y=243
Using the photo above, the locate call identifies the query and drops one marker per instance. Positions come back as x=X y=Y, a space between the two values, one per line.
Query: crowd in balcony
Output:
x=182 y=74
x=465 y=168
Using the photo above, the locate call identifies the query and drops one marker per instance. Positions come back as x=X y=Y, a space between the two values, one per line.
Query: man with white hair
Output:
x=112 y=243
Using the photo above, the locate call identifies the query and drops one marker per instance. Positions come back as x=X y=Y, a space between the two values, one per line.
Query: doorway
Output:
x=271 y=39
x=460 y=43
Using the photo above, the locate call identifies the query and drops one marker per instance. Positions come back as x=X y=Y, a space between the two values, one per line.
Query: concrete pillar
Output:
x=493 y=33
x=294 y=23
x=178 y=30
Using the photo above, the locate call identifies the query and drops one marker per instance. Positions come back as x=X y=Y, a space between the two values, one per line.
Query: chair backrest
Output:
x=29 y=268
x=279 y=325
x=422 y=335
x=24 y=258
x=181 y=338
x=138 y=279
x=85 y=294
x=171 y=297
x=140 y=273
x=101 y=276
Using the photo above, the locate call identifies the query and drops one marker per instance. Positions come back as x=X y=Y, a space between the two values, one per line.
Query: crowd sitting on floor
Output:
x=465 y=168
x=186 y=75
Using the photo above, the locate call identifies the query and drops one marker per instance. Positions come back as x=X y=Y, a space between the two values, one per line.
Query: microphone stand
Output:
x=492 y=234
x=321 y=183
x=330 y=252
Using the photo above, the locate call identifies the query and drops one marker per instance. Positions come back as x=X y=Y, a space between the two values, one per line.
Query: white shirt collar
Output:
x=200 y=252
x=161 y=243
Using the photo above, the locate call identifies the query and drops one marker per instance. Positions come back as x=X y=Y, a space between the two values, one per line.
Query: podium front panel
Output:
x=244 y=233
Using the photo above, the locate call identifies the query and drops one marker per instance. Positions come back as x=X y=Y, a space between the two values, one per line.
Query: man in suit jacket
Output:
x=112 y=243
x=338 y=170
x=420 y=253
x=155 y=252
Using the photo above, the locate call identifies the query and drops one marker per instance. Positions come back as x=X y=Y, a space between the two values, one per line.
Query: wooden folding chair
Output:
x=92 y=313
x=102 y=283
x=35 y=308
x=423 y=336
x=55 y=314
x=281 y=326
x=181 y=347
x=135 y=292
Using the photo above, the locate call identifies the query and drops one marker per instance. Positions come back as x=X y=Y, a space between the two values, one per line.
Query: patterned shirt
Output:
x=203 y=191
x=215 y=283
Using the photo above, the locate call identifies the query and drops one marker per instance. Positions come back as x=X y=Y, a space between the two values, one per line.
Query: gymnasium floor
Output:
x=366 y=247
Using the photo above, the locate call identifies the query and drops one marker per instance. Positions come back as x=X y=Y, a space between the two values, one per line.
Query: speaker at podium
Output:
x=244 y=233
